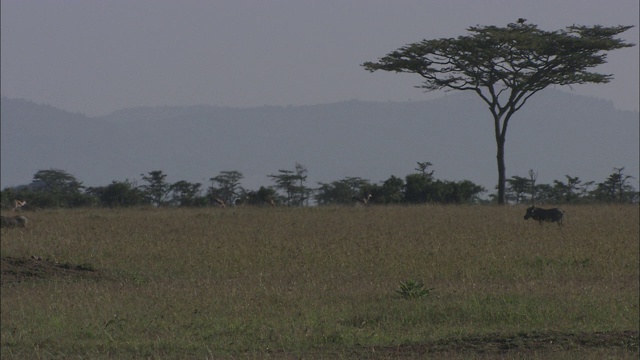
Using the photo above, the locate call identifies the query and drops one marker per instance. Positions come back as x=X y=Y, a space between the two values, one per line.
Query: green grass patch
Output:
x=326 y=282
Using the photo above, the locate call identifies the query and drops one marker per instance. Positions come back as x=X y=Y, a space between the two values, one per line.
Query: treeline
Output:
x=56 y=188
x=614 y=189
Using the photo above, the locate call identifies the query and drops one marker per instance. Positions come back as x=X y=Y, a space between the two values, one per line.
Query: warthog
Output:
x=13 y=221
x=540 y=215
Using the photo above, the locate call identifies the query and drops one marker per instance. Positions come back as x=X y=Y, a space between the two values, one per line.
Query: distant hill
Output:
x=556 y=133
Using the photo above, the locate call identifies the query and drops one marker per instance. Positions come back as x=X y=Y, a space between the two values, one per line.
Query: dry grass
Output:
x=320 y=282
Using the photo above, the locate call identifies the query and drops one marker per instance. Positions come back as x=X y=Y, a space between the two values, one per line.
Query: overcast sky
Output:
x=96 y=56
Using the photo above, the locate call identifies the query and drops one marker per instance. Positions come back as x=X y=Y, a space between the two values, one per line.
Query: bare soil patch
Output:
x=15 y=270
x=521 y=343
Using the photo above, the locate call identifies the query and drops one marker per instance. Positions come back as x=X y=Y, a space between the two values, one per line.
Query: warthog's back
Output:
x=539 y=214
x=13 y=221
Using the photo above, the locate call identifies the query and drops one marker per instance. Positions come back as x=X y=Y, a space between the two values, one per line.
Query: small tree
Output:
x=533 y=177
x=185 y=193
x=505 y=66
x=390 y=191
x=285 y=181
x=418 y=187
x=229 y=188
x=342 y=191
x=263 y=197
x=292 y=183
x=585 y=191
x=157 y=189
x=464 y=191
x=118 y=194
x=304 y=192
x=567 y=192
x=544 y=194
x=620 y=181
x=336 y=192
x=517 y=187
x=615 y=188
x=422 y=169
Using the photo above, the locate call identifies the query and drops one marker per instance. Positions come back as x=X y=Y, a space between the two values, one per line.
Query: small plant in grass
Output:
x=412 y=289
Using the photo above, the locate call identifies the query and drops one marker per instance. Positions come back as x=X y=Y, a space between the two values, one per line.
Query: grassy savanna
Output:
x=321 y=282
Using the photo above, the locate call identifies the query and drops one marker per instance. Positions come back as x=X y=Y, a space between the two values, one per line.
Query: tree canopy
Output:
x=505 y=66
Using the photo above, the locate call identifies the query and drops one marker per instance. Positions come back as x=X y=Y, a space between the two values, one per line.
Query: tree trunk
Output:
x=501 y=170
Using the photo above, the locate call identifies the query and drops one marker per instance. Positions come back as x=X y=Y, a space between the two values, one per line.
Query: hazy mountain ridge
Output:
x=555 y=133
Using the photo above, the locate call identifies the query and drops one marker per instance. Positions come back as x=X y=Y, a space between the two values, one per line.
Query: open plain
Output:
x=287 y=283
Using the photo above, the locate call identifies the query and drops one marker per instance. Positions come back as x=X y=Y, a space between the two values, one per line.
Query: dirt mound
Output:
x=22 y=269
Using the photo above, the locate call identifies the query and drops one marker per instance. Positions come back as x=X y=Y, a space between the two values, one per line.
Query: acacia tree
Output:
x=58 y=188
x=342 y=191
x=505 y=66
x=58 y=181
x=615 y=188
x=185 y=193
x=157 y=189
x=567 y=192
x=517 y=187
x=228 y=188
x=292 y=183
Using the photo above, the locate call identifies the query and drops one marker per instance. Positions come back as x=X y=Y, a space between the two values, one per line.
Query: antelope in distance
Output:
x=362 y=200
x=18 y=204
x=219 y=202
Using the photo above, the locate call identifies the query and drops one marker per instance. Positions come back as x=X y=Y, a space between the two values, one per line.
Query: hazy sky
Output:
x=97 y=56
